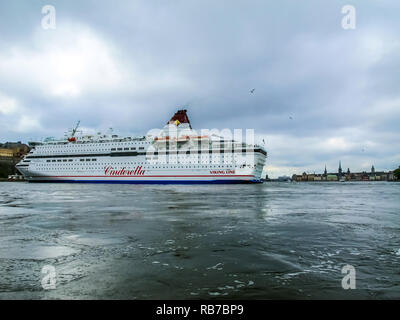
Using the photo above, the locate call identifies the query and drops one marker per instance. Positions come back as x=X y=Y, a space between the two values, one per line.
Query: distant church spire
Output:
x=325 y=172
x=373 y=169
x=340 y=168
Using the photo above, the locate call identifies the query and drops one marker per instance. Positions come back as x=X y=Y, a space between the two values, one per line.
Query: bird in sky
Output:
x=290 y=117
x=252 y=90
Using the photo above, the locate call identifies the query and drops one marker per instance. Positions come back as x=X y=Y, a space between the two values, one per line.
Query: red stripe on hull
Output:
x=143 y=176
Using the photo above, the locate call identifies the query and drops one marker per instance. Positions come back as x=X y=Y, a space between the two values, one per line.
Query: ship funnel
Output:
x=180 y=117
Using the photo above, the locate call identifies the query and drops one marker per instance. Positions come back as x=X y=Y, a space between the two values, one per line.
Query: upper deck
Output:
x=177 y=135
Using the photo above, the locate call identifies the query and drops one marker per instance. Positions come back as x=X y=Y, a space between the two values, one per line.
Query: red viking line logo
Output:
x=111 y=171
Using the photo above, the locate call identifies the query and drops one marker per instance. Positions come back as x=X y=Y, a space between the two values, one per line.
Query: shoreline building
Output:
x=11 y=150
x=10 y=154
x=373 y=175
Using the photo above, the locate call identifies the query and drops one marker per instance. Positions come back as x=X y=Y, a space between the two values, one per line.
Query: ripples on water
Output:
x=270 y=241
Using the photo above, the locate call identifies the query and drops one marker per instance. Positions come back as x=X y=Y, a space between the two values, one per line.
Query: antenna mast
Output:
x=75 y=129
x=72 y=138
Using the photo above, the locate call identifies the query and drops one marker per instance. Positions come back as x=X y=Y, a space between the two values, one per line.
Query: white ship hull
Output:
x=142 y=175
x=144 y=160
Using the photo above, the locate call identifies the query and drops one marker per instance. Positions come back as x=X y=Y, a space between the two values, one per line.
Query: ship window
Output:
x=53 y=160
x=94 y=159
x=126 y=148
x=141 y=148
x=82 y=159
x=48 y=161
x=113 y=149
x=58 y=160
x=133 y=148
x=119 y=148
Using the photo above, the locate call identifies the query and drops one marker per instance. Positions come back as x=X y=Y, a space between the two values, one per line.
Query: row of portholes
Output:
x=79 y=146
x=148 y=167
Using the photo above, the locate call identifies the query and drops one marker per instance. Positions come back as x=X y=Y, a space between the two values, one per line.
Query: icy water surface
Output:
x=270 y=241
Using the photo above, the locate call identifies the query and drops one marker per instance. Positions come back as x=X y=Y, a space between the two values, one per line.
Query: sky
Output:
x=323 y=93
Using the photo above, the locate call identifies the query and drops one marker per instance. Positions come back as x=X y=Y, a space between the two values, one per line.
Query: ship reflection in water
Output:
x=272 y=241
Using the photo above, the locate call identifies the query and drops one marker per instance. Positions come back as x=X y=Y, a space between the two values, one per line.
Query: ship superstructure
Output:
x=176 y=154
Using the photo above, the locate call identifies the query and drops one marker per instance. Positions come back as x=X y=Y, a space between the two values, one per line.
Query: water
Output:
x=270 y=241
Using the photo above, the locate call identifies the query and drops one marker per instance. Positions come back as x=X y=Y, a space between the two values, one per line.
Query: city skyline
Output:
x=342 y=168
x=344 y=175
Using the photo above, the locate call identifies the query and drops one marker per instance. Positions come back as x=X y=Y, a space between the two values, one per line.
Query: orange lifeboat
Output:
x=162 y=138
x=183 y=138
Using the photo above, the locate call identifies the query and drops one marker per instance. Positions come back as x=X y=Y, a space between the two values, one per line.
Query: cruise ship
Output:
x=177 y=154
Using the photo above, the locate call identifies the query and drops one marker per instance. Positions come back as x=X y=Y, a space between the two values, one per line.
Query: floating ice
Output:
x=216 y=267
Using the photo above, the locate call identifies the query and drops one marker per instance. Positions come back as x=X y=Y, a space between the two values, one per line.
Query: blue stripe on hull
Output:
x=150 y=182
